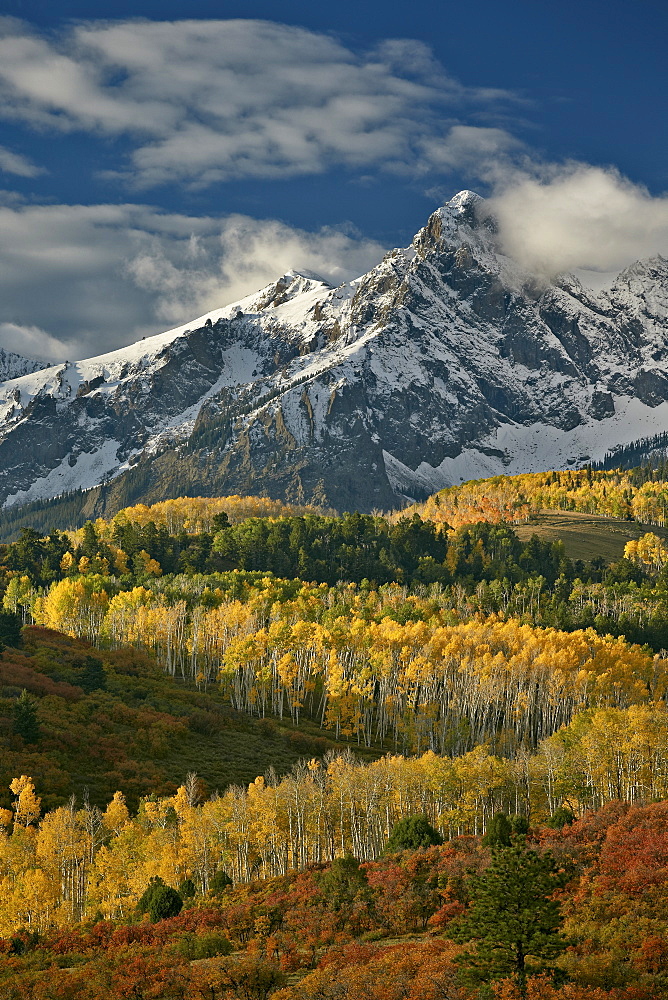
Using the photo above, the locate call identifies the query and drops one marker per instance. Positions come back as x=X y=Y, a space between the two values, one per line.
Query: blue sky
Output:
x=159 y=160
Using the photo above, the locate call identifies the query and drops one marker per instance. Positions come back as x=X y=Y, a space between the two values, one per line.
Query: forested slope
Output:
x=107 y=719
x=639 y=494
x=259 y=700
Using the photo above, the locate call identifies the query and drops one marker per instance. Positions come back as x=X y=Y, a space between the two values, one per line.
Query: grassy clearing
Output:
x=585 y=536
x=237 y=757
x=142 y=732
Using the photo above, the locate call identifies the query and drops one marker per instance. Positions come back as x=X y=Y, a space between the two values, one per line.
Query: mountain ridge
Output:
x=446 y=361
x=13 y=365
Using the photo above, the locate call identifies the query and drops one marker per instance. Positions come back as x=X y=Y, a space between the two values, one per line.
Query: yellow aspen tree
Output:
x=76 y=607
x=120 y=624
x=116 y=815
x=220 y=817
x=119 y=873
x=649 y=551
x=120 y=559
x=27 y=805
x=201 y=850
x=149 y=566
x=20 y=595
x=182 y=802
x=30 y=902
x=156 y=812
x=164 y=855
x=64 y=852
x=67 y=563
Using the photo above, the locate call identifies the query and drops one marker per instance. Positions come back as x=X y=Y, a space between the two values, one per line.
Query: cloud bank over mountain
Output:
x=100 y=276
x=578 y=216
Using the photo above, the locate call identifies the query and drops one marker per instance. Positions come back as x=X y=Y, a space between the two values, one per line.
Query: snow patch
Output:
x=406 y=481
x=89 y=470
x=540 y=447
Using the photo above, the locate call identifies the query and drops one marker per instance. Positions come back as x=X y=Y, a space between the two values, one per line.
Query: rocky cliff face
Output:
x=445 y=362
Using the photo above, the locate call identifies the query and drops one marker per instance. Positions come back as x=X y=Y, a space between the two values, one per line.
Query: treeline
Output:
x=312 y=547
x=649 y=454
x=379 y=668
x=45 y=516
x=639 y=494
x=78 y=860
x=194 y=513
x=352 y=548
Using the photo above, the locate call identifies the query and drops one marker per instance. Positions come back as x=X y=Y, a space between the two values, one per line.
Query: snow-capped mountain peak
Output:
x=446 y=361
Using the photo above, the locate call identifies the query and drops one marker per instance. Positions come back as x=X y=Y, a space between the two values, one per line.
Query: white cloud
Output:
x=483 y=152
x=15 y=163
x=577 y=216
x=206 y=101
x=247 y=254
x=31 y=342
x=78 y=280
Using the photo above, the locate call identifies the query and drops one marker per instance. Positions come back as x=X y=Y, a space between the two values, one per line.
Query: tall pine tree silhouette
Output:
x=25 y=722
x=513 y=921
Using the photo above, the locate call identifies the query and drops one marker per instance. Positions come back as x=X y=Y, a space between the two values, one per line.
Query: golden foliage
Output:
x=195 y=514
x=514 y=498
x=79 y=861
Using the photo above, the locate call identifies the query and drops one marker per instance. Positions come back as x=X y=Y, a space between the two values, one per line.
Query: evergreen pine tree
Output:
x=144 y=901
x=499 y=831
x=187 y=889
x=343 y=883
x=90 y=543
x=160 y=901
x=219 y=882
x=220 y=521
x=561 y=817
x=10 y=630
x=412 y=833
x=513 y=920
x=25 y=722
x=93 y=677
x=165 y=903
x=519 y=825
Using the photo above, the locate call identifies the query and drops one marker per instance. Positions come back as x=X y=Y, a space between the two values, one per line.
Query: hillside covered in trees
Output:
x=639 y=494
x=117 y=907
x=231 y=705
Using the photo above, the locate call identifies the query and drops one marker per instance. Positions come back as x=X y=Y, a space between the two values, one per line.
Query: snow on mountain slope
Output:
x=444 y=362
x=13 y=365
